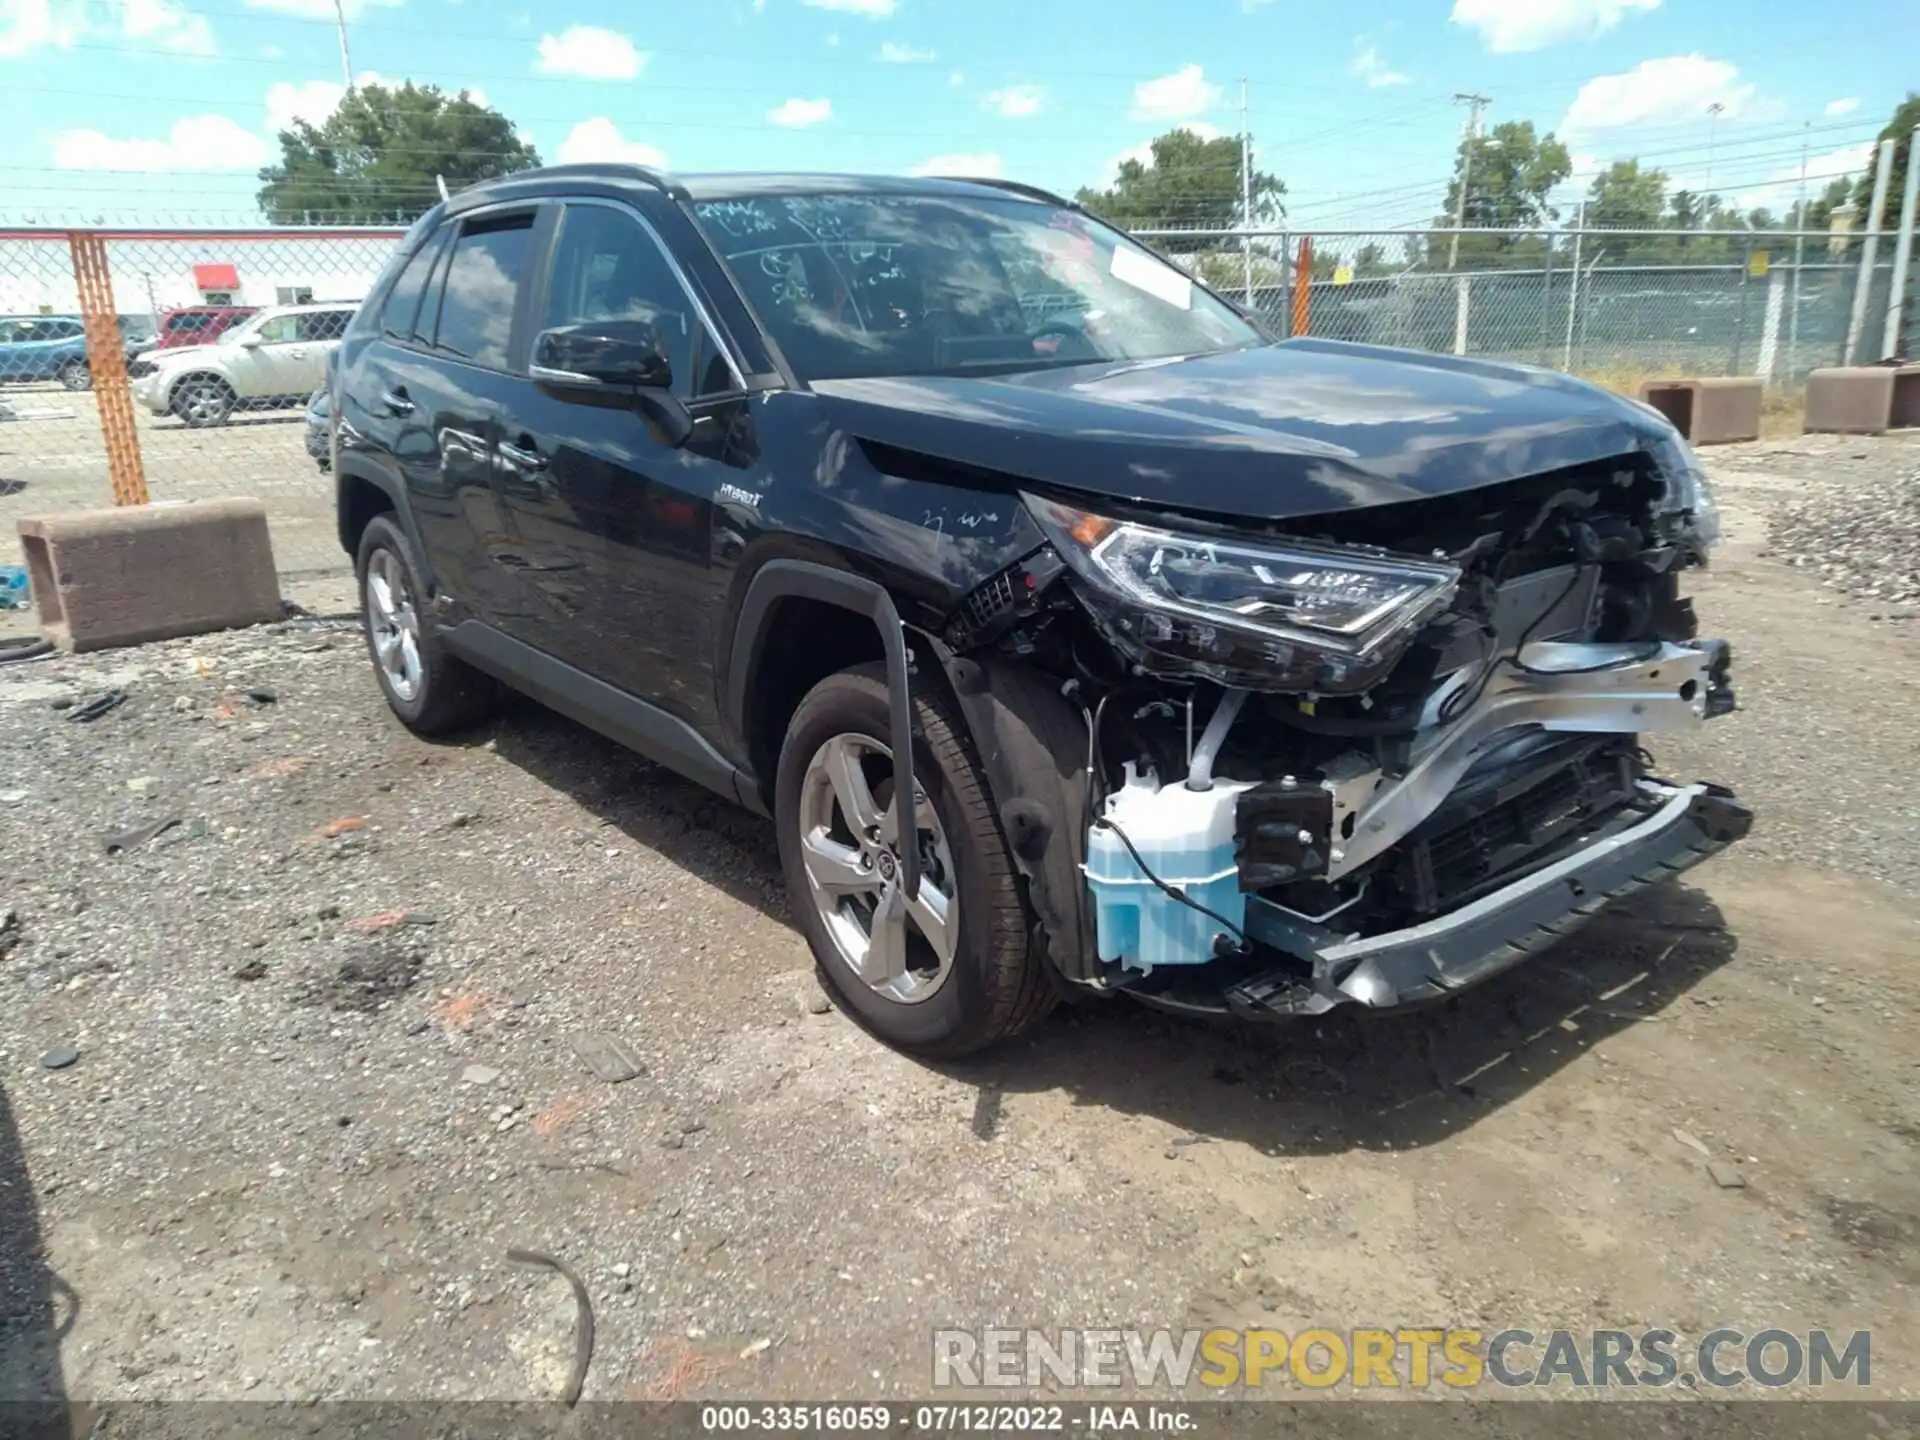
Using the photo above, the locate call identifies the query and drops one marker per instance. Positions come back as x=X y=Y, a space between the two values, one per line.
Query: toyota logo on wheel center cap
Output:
x=886 y=865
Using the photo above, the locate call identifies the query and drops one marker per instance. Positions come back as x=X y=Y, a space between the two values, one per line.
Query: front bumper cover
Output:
x=1452 y=952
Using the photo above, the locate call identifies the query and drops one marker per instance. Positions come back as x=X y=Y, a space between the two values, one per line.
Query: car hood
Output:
x=1299 y=428
x=166 y=355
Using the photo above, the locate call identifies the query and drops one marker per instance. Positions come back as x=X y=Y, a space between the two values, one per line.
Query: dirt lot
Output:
x=303 y=1126
x=52 y=458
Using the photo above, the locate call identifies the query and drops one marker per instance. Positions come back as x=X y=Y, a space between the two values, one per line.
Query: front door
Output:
x=618 y=528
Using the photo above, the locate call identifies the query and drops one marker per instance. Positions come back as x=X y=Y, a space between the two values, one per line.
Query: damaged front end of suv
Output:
x=1368 y=757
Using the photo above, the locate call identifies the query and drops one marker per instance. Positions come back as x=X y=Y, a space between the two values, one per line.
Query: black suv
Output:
x=1079 y=638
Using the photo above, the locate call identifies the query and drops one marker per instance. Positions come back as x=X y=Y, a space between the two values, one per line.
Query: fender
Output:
x=779 y=579
x=1033 y=745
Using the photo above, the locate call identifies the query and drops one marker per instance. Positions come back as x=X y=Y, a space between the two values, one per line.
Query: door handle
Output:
x=523 y=457
x=396 y=401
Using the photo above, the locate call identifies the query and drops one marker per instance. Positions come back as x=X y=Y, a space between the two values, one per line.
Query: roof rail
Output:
x=1016 y=187
x=586 y=170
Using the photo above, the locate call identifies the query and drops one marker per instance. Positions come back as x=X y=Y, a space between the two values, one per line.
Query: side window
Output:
x=607 y=267
x=483 y=278
x=66 y=329
x=403 y=300
x=279 y=330
x=323 y=324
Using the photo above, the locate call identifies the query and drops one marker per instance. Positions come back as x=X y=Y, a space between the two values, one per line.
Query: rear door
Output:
x=430 y=391
x=618 y=528
x=316 y=334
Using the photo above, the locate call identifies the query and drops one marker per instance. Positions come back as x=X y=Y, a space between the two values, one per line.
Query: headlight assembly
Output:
x=1266 y=615
x=1687 y=489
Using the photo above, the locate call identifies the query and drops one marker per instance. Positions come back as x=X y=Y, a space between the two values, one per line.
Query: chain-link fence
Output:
x=1618 y=306
x=229 y=419
x=226 y=418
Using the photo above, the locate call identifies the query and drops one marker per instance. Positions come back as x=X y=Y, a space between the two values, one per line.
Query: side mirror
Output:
x=251 y=340
x=621 y=360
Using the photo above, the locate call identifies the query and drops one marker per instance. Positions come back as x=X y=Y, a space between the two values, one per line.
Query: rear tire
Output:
x=431 y=690
x=76 y=375
x=203 y=401
x=984 y=984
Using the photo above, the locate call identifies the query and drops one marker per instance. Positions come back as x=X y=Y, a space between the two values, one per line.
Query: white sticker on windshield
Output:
x=1143 y=272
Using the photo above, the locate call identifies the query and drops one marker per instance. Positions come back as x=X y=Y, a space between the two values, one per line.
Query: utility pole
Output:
x=1246 y=193
x=1475 y=104
x=1714 y=112
x=346 y=60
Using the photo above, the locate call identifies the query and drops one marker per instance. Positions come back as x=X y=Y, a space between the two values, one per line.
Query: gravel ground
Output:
x=326 y=1073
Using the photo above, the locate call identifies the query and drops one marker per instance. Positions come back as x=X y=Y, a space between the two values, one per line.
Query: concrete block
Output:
x=1711 y=411
x=1850 y=400
x=150 y=572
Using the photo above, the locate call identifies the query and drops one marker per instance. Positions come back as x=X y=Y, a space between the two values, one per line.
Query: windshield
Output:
x=861 y=285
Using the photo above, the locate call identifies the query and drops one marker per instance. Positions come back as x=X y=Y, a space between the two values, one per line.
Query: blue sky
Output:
x=161 y=110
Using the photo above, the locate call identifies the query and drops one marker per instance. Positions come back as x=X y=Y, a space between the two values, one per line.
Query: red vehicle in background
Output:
x=198 y=324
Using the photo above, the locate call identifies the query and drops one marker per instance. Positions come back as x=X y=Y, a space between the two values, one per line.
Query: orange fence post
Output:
x=1303 y=288
x=107 y=362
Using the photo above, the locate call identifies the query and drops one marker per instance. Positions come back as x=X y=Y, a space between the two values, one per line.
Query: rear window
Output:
x=324 y=324
x=403 y=300
x=483 y=281
x=187 y=322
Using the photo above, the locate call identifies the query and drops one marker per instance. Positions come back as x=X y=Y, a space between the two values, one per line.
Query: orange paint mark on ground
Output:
x=334 y=829
x=457 y=1012
x=563 y=1111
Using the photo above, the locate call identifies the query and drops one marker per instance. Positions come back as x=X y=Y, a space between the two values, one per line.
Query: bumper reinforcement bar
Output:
x=1448 y=954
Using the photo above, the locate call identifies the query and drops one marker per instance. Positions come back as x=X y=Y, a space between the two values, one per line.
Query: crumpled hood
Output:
x=1299 y=428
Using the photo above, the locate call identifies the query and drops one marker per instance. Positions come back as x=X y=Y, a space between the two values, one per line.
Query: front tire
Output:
x=204 y=401
x=431 y=690
x=944 y=975
x=76 y=375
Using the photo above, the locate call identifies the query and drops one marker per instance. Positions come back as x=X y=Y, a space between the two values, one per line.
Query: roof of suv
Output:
x=724 y=186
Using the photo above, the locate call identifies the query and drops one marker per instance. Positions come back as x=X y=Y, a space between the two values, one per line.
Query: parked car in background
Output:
x=199 y=324
x=137 y=335
x=320 y=428
x=275 y=359
x=1076 y=636
x=44 y=347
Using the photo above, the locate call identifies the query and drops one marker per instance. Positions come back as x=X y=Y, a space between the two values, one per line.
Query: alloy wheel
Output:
x=850 y=848
x=394 y=623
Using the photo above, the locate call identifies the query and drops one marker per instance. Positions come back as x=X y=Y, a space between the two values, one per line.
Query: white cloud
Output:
x=801 y=113
x=600 y=139
x=894 y=53
x=1379 y=75
x=1843 y=107
x=167 y=25
x=309 y=100
x=985 y=166
x=590 y=53
x=1185 y=93
x=1507 y=26
x=1667 y=91
x=194 y=142
x=321 y=9
x=1780 y=189
x=1016 y=102
x=872 y=9
x=26 y=25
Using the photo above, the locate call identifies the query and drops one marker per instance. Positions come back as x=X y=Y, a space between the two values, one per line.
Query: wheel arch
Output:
x=361 y=493
x=775 y=587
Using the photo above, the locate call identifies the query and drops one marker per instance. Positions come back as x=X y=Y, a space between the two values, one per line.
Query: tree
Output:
x=1899 y=130
x=1818 y=213
x=376 y=158
x=1626 y=197
x=1507 y=176
x=1190 y=183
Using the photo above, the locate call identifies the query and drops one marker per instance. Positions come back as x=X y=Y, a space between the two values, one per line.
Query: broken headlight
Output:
x=1260 y=614
x=1687 y=490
